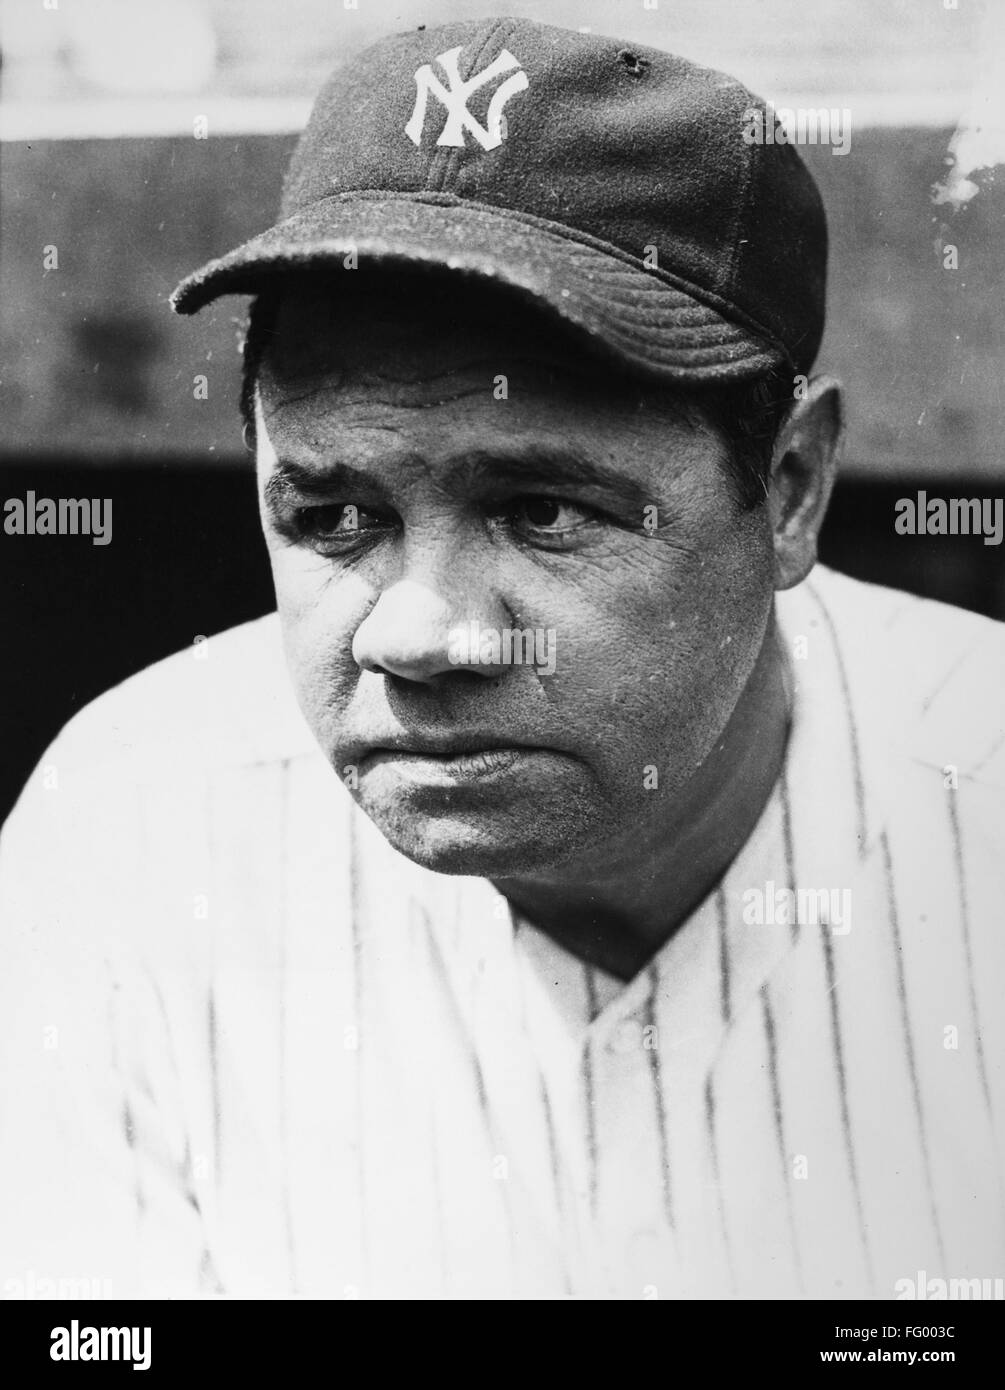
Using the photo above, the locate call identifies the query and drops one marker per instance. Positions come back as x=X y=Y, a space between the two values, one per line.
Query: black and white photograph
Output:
x=503 y=780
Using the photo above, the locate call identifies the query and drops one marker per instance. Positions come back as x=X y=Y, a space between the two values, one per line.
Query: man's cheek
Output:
x=318 y=640
x=315 y=594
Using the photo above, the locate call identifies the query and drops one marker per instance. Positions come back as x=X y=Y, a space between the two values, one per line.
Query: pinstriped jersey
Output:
x=247 y=1048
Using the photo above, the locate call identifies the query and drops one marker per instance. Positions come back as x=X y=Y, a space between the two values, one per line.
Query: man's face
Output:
x=432 y=479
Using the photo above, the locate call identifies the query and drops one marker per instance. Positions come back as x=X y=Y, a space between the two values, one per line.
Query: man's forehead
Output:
x=392 y=371
x=464 y=465
x=470 y=444
x=418 y=331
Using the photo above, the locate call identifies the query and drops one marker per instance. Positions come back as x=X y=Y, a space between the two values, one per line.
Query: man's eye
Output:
x=548 y=515
x=337 y=521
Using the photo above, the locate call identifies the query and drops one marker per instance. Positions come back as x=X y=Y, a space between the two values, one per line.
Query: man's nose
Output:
x=421 y=628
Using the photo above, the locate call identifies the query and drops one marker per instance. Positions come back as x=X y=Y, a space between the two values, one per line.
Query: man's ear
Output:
x=803 y=468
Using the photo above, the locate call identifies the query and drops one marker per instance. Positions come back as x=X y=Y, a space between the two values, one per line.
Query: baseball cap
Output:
x=607 y=182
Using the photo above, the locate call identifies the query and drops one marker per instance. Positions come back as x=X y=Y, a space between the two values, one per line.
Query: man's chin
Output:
x=513 y=816
x=453 y=842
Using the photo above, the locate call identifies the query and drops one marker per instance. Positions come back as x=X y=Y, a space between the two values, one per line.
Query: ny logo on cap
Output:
x=454 y=99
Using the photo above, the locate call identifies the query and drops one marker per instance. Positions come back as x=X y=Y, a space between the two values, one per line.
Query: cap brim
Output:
x=644 y=319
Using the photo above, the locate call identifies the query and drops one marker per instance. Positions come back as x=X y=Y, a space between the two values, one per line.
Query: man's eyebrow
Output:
x=474 y=470
x=289 y=479
x=544 y=465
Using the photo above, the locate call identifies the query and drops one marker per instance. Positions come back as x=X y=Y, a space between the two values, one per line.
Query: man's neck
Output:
x=616 y=906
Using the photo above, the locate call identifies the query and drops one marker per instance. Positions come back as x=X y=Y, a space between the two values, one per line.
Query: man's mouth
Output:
x=459 y=760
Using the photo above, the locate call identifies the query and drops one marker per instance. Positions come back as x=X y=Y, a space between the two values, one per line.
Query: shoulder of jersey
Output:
x=938 y=671
x=223 y=702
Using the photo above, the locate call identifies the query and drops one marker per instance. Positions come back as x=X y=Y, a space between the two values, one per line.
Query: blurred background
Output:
x=139 y=138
